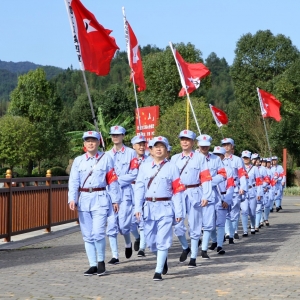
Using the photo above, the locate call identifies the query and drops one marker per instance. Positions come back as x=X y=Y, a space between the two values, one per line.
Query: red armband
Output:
x=281 y=174
x=230 y=183
x=273 y=182
x=111 y=176
x=258 y=181
x=222 y=172
x=267 y=179
x=205 y=176
x=242 y=172
x=177 y=186
x=134 y=164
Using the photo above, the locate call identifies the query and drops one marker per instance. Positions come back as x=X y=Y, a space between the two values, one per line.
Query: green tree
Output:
x=35 y=98
x=259 y=59
x=19 y=140
x=174 y=120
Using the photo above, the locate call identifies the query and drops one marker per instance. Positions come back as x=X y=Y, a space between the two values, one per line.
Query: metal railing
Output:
x=33 y=203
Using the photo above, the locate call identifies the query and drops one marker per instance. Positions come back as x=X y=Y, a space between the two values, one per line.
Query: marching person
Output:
x=126 y=167
x=222 y=206
x=279 y=182
x=94 y=191
x=193 y=174
x=218 y=175
x=271 y=187
x=139 y=145
x=241 y=186
x=267 y=200
x=158 y=200
x=248 y=207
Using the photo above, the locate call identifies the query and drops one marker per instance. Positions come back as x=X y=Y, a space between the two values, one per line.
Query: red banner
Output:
x=149 y=120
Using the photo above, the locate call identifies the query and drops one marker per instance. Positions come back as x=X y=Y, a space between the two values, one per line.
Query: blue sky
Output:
x=38 y=30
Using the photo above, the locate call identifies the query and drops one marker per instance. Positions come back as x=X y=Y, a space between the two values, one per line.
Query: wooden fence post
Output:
x=49 y=183
x=8 y=175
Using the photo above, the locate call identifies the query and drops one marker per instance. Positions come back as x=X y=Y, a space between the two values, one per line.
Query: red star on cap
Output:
x=116 y=127
x=141 y=137
x=90 y=132
x=204 y=137
x=218 y=148
x=160 y=138
x=225 y=139
x=185 y=132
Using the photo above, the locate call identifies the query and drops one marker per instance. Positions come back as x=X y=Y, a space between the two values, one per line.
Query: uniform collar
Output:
x=122 y=150
x=229 y=157
x=87 y=157
x=160 y=165
x=190 y=155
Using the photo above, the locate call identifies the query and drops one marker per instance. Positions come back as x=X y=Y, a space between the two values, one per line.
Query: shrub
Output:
x=58 y=171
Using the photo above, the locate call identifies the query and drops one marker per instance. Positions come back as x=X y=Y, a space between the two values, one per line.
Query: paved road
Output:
x=264 y=266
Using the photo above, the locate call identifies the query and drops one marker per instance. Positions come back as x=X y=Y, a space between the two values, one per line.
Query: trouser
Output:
x=92 y=225
x=232 y=216
x=217 y=234
x=248 y=208
x=278 y=194
x=259 y=205
x=209 y=223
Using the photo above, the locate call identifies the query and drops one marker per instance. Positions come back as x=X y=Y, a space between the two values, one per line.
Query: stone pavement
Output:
x=262 y=266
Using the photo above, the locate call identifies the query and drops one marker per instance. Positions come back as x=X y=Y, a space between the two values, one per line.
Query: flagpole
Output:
x=82 y=69
x=184 y=86
x=132 y=72
x=262 y=114
x=187 y=114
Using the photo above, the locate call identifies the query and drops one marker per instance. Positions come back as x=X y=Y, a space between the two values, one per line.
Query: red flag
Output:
x=95 y=48
x=219 y=116
x=269 y=105
x=134 y=57
x=190 y=74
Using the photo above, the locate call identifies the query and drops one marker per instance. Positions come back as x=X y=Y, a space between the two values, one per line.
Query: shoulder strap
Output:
x=90 y=173
x=184 y=165
x=151 y=179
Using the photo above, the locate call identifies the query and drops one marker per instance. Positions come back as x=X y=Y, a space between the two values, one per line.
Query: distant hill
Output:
x=9 y=72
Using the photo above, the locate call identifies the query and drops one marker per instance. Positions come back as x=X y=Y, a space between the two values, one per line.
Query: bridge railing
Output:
x=33 y=203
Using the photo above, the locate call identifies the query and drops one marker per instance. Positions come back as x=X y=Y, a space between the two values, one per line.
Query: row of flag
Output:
x=95 y=49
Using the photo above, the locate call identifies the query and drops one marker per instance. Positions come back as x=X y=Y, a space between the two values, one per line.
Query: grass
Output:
x=292 y=191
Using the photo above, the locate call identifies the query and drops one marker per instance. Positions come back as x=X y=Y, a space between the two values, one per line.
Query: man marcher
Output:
x=267 y=200
x=271 y=188
x=94 y=191
x=279 y=178
x=218 y=174
x=222 y=207
x=126 y=167
x=241 y=186
x=158 y=198
x=248 y=207
x=193 y=173
x=139 y=145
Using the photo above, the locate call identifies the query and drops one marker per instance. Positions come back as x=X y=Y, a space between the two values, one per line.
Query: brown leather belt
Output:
x=192 y=186
x=90 y=190
x=133 y=182
x=154 y=199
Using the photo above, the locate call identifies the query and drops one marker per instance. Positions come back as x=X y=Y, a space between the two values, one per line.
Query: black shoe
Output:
x=271 y=210
x=192 y=263
x=157 y=277
x=280 y=207
x=128 y=252
x=184 y=254
x=256 y=230
x=245 y=234
x=261 y=224
x=141 y=253
x=220 y=251
x=252 y=231
x=136 y=245
x=165 y=269
x=277 y=209
x=91 y=271
x=213 y=246
x=231 y=241
x=227 y=236
x=114 y=261
x=267 y=223
x=236 y=236
x=199 y=243
x=204 y=255
x=101 y=268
